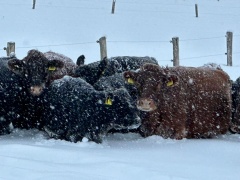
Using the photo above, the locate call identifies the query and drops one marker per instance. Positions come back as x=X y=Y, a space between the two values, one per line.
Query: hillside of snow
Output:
x=138 y=28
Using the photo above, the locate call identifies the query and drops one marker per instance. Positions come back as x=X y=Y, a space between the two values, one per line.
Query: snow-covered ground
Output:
x=138 y=28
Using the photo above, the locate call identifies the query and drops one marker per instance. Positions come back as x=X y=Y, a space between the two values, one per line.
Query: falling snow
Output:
x=138 y=28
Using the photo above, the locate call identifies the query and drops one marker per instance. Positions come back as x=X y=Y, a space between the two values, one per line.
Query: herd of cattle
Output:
x=68 y=100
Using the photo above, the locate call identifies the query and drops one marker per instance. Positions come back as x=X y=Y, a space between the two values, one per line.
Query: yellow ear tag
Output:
x=130 y=81
x=51 y=68
x=170 y=83
x=108 y=101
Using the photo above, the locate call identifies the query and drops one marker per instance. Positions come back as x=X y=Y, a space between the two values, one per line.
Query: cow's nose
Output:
x=146 y=104
x=36 y=90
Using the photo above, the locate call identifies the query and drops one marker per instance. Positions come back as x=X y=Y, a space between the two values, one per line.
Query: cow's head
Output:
x=92 y=72
x=36 y=70
x=150 y=80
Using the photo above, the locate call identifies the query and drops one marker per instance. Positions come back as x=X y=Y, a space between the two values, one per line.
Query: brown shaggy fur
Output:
x=183 y=102
x=69 y=66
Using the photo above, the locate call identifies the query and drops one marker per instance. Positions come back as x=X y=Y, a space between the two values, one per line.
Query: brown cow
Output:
x=182 y=102
x=39 y=70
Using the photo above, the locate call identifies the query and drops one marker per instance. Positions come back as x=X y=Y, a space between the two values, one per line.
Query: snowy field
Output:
x=138 y=28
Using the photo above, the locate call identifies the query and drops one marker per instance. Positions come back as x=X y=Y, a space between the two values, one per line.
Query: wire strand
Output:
x=70 y=44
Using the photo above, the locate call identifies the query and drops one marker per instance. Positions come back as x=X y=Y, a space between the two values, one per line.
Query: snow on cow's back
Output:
x=213 y=66
x=120 y=64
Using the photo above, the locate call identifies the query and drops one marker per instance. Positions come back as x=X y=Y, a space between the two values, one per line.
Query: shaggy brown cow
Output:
x=182 y=102
x=39 y=69
x=69 y=66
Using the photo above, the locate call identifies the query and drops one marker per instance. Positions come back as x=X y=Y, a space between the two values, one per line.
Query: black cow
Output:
x=74 y=109
x=112 y=79
x=236 y=106
x=17 y=105
x=92 y=71
x=32 y=110
x=115 y=82
x=107 y=67
x=11 y=92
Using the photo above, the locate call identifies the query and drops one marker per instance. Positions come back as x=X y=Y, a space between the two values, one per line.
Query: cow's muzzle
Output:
x=146 y=104
x=36 y=90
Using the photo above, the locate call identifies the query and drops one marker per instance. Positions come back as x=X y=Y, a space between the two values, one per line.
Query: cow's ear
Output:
x=16 y=66
x=172 y=80
x=129 y=77
x=81 y=60
x=103 y=66
x=54 y=64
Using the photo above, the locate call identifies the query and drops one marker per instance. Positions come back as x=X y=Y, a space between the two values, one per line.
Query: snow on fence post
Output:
x=113 y=6
x=175 y=42
x=10 y=48
x=34 y=3
x=196 y=10
x=103 y=47
x=229 y=48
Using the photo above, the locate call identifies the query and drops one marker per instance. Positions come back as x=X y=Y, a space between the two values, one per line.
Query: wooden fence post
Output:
x=175 y=42
x=196 y=10
x=34 y=3
x=113 y=6
x=229 y=48
x=10 y=48
x=103 y=47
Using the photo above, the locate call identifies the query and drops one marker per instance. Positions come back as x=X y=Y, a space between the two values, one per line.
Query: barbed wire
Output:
x=50 y=45
x=135 y=10
x=198 y=39
x=127 y=2
x=119 y=41
x=205 y=56
x=67 y=44
x=197 y=57
x=166 y=41
x=140 y=41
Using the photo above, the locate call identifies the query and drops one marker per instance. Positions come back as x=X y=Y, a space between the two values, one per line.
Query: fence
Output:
x=175 y=42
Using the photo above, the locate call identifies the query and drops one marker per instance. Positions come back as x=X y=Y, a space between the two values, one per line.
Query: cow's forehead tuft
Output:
x=35 y=57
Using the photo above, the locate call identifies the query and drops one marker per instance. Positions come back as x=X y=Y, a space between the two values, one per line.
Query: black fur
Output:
x=80 y=60
x=236 y=102
x=91 y=72
x=11 y=92
x=74 y=109
x=120 y=64
x=94 y=71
